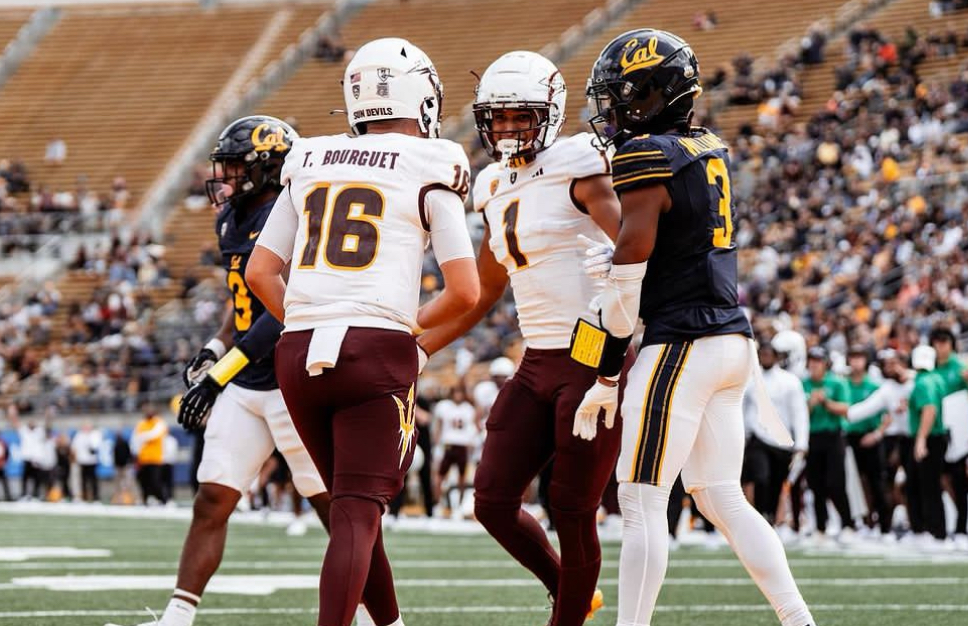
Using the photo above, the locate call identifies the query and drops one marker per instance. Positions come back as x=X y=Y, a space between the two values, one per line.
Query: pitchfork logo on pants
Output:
x=407 y=424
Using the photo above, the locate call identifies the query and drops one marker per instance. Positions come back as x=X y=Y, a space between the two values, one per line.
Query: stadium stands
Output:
x=471 y=40
x=123 y=87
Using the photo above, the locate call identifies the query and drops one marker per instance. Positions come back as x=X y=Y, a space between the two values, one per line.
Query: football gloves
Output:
x=198 y=366
x=599 y=397
x=197 y=403
x=599 y=257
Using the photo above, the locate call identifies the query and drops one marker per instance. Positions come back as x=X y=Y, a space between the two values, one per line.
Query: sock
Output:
x=180 y=611
x=758 y=547
x=355 y=524
x=523 y=538
x=645 y=551
x=363 y=618
x=581 y=560
x=378 y=594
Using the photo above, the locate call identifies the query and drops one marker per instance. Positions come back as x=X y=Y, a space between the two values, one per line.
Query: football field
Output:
x=88 y=570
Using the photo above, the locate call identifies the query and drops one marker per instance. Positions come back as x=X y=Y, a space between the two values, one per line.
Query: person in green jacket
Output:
x=955 y=374
x=865 y=438
x=827 y=399
x=930 y=438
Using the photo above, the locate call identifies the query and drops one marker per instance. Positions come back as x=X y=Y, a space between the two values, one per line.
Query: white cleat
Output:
x=297 y=528
x=961 y=543
x=154 y=620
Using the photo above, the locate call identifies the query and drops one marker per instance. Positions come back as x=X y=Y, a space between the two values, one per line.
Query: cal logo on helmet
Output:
x=642 y=57
x=265 y=138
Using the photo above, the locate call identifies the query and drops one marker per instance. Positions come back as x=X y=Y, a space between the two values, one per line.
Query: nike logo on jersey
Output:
x=254 y=234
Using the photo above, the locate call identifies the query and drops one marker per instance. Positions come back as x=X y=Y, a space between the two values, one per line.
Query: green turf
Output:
x=706 y=588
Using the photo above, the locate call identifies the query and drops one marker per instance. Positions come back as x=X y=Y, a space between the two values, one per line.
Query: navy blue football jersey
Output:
x=689 y=290
x=236 y=241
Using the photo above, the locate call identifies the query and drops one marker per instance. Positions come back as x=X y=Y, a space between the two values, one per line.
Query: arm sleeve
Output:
x=448 y=228
x=261 y=338
x=800 y=417
x=279 y=233
x=639 y=164
x=870 y=406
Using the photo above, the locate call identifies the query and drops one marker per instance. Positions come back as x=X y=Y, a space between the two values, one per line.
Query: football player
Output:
x=675 y=267
x=234 y=395
x=354 y=220
x=538 y=198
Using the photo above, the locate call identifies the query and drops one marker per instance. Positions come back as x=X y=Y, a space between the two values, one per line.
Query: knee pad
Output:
x=718 y=503
x=636 y=500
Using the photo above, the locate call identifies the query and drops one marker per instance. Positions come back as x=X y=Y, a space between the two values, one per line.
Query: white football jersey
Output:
x=534 y=222
x=363 y=224
x=457 y=425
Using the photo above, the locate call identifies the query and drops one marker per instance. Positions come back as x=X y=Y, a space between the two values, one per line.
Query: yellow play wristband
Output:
x=228 y=366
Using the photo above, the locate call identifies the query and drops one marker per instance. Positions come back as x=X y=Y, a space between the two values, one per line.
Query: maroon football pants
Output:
x=357 y=422
x=530 y=425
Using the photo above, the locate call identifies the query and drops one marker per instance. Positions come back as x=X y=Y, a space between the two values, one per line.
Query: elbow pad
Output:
x=620 y=299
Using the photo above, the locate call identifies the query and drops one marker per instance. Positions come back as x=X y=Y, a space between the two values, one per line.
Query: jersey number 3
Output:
x=352 y=235
x=718 y=177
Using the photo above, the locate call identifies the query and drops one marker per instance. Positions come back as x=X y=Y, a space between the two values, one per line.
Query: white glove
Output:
x=599 y=257
x=798 y=462
x=598 y=397
x=422 y=359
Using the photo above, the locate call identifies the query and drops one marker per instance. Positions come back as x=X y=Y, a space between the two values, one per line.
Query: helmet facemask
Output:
x=517 y=143
x=235 y=177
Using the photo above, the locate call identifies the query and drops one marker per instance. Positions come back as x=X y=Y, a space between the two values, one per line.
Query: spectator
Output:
x=766 y=466
x=4 y=455
x=62 y=468
x=86 y=447
x=954 y=374
x=930 y=440
x=123 y=480
x=827 y=398
x=865 y=438
x=32 y=441
x=147 y=443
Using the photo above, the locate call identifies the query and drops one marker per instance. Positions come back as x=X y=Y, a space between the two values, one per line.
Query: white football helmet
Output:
x=521 y=80
x=791 y=347
x=392 y=79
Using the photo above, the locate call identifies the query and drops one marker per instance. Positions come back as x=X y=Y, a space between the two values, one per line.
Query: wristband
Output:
x=228 y=366
x=217 y=346
x=613 y=356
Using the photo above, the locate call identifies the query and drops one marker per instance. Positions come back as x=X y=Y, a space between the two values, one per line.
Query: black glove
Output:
x=198 y=365
x=196 y=404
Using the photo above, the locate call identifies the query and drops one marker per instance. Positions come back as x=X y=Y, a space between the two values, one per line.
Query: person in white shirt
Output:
x=32 y=438
x=85 y=447
x=768 y=464
x=456 y=431
x=892 y=397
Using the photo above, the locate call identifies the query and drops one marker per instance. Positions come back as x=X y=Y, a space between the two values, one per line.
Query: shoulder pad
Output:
x=642 y=161
x=580 y=156
x=485 y=184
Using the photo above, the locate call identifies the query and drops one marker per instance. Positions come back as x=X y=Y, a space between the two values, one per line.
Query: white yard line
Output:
x=698 y=608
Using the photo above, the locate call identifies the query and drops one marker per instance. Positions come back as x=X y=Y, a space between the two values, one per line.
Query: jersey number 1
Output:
x=352 y=235
x=511 y=235
x=718 y=176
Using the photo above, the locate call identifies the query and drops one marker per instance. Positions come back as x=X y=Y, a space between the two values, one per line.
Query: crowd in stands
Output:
x=31 y=212
x=851 y=223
